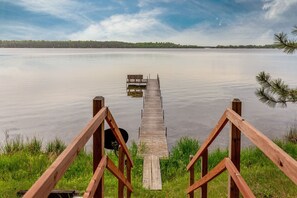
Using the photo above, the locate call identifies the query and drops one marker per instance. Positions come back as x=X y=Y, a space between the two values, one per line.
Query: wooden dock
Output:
x=152 y=135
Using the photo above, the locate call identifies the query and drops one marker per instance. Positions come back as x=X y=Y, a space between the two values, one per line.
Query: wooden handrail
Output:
x=44 y=185
x=116 y=131
x=92 y=187
x=279 y=157
x=209 y=176
x=52 y=175
x=240 y=183
x=236 y=183
x=212 y=136
x=221 y=167
x=118 y=174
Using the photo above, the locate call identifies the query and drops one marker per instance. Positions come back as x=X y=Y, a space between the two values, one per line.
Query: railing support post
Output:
x=121 y=168
x=98 y=144
x=128 y=171
x=192 y=177
x=234 y=150
x=204 y=170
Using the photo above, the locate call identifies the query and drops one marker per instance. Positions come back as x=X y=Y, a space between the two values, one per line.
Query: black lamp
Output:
x=111 y=141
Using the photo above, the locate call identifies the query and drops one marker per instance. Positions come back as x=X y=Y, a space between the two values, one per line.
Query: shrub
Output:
x=56 y=147
x=183 y=149
x=33 y=145
x=179 y=158
x=14 y=145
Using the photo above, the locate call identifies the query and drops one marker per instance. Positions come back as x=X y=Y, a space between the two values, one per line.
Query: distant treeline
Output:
x=247 y=46
x=89 y=44
x=108 y=44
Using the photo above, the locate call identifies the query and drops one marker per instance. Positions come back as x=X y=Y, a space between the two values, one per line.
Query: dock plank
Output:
x=152 y=135
x=152 y=173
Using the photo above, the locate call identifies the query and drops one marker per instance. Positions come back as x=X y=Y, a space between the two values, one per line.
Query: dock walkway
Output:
x=152 y=135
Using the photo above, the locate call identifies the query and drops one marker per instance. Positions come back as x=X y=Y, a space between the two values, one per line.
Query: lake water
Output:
x=48 y=92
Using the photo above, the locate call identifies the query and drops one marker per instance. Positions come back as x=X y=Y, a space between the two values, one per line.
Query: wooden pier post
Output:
x=98 y=144
x=234 y=150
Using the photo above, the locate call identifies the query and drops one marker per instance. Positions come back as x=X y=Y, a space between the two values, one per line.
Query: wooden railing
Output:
x=44 y=185
x=232 y=163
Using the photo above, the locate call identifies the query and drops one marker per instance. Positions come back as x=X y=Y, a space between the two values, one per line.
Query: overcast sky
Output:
x=199 y=22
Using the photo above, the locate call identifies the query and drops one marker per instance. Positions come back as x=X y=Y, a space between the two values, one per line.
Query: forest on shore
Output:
x=109 y=44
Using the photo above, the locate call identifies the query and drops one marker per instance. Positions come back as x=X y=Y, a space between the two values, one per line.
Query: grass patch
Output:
x=22 y=163
x=55 y=147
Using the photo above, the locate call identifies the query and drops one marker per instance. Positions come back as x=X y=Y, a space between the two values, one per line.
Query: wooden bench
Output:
x=138 y=78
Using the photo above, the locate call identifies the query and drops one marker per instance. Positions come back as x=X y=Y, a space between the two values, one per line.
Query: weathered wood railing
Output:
x=43 y=186
x=232 y=163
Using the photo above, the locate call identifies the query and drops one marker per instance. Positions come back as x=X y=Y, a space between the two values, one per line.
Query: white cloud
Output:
x=251 y=28
x=146 y=26
x=70 y=10
x=142 y=26
x=22 y=31
x=275 y=8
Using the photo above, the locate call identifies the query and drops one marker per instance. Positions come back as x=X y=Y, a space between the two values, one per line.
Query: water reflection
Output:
x=135 y=84
x=48 y=92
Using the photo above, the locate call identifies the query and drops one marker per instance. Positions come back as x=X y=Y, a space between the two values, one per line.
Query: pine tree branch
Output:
x=294 y=31
x=265 y=97
x=280 y=88
x=282 y=42
x=274 y=91
x=264 y=79
x=293 y=95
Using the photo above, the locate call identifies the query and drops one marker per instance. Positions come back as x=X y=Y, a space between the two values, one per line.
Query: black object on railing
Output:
x=111 y=141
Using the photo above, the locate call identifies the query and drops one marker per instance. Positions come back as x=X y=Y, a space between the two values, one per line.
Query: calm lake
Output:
x=48 y=92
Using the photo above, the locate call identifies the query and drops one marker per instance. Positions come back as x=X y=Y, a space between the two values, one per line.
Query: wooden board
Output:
x=152 y=173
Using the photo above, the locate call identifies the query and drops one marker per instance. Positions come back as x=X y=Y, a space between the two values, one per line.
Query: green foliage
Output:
x=13 y=145
x=216 y=156
x=184 y=148
x=282 y=41
x=56 y=147
x=274 y=91
x=137 y=160
x=288 y=147
x=19 y=170
x=17 y=144
x=78 y=174
x=33 y=145
x=179 y=157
